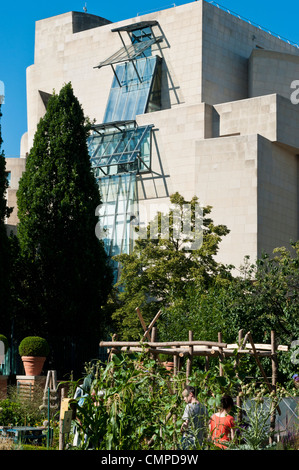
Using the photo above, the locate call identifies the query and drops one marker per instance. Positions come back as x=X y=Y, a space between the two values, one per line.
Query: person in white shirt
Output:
x=194 y=420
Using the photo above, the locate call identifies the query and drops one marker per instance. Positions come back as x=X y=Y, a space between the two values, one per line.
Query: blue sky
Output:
x=17 y=29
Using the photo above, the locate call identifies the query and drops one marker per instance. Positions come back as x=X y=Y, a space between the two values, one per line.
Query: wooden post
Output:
x=175 y=364
x=273 y=360
x=274 y=383
x=143 y=324
x=207 y=363
x=260 y=366
x=151 y=324
x=220 y=354
x=61 y=435
x=239 y=401
x=190 y=357
x=153 y=338
x=154 y=334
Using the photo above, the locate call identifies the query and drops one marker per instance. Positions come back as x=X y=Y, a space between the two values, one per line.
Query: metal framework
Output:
x=118 y=143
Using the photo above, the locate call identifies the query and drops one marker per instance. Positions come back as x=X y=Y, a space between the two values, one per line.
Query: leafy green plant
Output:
x=135 y=404
x=10 y=413
x=18 y=411
x=164 y=269
x=131 y=406
x=34 y=346
x=258 y=406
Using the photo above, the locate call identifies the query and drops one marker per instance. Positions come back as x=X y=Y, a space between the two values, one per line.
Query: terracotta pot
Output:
x=33 y=365
x=168 y=365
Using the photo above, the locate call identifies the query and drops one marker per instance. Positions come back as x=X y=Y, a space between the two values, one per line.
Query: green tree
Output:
x=63 y=271
x=161 y=270
x=4 y=244
x=265 y=298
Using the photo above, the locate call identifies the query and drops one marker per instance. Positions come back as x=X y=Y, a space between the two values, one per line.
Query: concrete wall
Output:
x=62 y=56
x=173 y=150
x=278 y=201
x=228 y=43
x=272 y=72
x=235 y=157
x=226 y=179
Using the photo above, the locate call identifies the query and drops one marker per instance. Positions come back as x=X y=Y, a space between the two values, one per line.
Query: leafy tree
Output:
x=4 y=244
x=161 y=270
x=266 y=298
x=203 y=310
x=63 y=272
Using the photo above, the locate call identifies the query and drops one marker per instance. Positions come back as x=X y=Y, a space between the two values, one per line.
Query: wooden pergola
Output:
x=191 y=348
x=178 y=350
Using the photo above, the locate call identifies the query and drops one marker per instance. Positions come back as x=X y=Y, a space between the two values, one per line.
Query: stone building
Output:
x=191 y=99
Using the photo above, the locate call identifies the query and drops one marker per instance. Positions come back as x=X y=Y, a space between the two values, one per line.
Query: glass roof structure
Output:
x=119 y=145
x=134 y=26
x=128 y=53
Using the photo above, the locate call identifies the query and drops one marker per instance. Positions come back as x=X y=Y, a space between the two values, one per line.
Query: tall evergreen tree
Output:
x=65 y=270
x=4 y=245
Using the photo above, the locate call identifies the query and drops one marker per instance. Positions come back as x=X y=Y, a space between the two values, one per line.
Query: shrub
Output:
x=10 y=413
x=34 y=346
x=6 y=443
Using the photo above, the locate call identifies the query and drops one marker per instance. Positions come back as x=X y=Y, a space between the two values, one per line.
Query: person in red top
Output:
x=222 y=423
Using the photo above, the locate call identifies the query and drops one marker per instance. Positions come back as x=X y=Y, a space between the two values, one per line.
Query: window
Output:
x=136 y=89
x=116 y=213
x=142 y=36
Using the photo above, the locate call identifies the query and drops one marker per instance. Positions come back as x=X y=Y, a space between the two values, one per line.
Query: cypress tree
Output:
x=66 y=274
x=4 y=244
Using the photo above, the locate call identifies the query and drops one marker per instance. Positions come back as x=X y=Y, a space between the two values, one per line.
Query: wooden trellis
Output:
x=191 y=348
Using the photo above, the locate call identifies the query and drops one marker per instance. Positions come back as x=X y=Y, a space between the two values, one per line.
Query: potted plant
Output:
x=168 y=364
x=33 y=351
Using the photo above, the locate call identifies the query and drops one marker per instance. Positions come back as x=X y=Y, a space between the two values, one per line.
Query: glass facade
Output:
x=117 y=213
x=118 y=148
x=123 y=147
x=131 y=89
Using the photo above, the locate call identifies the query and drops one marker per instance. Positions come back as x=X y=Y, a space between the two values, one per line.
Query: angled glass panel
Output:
x=130 y=91
x=128 y=53
x=119 y=149
x=134 y=26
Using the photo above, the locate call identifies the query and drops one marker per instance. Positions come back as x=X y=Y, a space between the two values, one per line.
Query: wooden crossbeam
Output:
x=152 y=324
